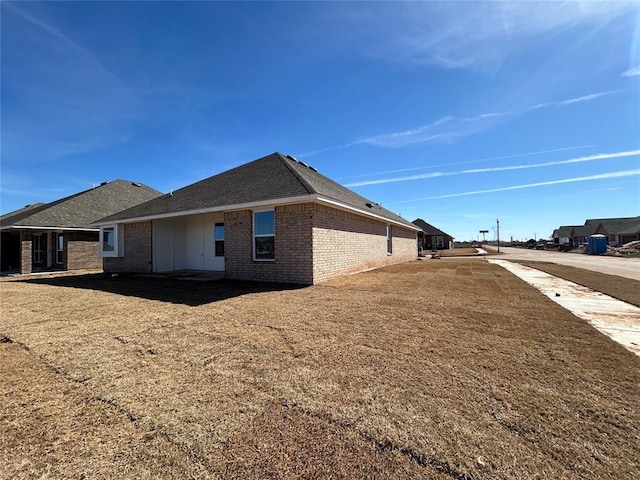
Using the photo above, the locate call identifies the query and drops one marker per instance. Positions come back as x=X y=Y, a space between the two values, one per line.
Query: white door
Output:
x=217 y=262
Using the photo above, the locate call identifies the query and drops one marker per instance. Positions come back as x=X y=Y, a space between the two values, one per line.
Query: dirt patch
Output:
x=627 y=290
x=454 y=367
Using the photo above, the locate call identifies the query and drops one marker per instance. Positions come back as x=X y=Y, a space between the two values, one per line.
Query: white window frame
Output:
x=218 y=239
x=37 y=248
x=118 y=241
x=59 y=237
x=254 y=236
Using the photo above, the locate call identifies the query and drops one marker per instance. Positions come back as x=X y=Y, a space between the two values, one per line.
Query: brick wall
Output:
x=344 y=242
x=293 y=243
x=83 y=250
x=137 y=250
x=313 y=243
x=25 y=252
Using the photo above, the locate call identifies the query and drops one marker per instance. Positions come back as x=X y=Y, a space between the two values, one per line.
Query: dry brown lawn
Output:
x=431 y=369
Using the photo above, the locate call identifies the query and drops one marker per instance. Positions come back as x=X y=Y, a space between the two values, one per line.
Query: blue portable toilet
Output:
x=597 y=244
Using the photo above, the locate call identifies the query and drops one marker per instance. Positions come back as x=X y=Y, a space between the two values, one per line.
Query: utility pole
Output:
x=498 y=229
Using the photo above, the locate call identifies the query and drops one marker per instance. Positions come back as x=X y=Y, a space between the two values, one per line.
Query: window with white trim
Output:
x=37 y=248
x=264 y=235
x=111 y=241
x=218 y=238
x=60 y=248
x=389 y=241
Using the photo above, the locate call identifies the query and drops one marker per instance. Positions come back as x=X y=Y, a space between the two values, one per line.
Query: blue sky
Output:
x=458 y=113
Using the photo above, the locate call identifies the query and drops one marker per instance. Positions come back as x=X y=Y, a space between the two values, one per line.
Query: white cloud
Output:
x=444 y=130
x=422 y=176
x=501 y=157
x=602 y=176
x=632 y=72
x=476 y=35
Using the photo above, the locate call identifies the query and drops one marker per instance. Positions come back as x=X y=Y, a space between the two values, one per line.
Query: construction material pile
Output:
x=631 y=249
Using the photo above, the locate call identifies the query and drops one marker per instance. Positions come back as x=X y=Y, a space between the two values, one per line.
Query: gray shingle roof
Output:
x=565 y=231
x=613 y=225
x=81 y=209
x=429 y=229
x=268 y=178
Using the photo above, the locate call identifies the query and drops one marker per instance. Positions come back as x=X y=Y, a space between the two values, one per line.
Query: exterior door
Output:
x=218 y=247
x=39 y=244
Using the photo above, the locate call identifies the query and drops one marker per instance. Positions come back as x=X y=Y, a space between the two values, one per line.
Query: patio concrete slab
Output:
x=615 y=318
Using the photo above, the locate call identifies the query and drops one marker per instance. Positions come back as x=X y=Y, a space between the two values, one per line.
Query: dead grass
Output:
x=459 y=252
x=627 y=290
x=411 y=371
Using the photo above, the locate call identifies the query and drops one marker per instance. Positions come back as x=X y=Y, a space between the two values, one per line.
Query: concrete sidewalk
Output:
x=615 y=318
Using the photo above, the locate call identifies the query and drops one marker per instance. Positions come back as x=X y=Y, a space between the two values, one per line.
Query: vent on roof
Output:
x=311 y=168
x=291 y=157
x=27 y=205
x=368 y=204
x=303 y=164
x=103 y=183
x=136 y=184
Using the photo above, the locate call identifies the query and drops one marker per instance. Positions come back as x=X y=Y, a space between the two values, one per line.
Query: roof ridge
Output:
x=285 y=159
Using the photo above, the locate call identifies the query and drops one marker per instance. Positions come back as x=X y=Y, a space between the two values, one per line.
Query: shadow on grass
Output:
x=186 y=292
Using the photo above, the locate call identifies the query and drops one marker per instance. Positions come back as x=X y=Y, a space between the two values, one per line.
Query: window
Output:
x=37 y=249
x=264 y=234
x=389 y=241
x=60 y=249
x=111 y=241
x=218 y=238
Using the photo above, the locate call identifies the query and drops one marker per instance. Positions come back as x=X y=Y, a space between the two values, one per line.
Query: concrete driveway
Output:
x=622 y=267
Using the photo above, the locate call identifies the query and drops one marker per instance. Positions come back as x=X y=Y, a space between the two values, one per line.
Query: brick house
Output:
x=274 y=219
x=59 y=235
x=432 y=238
x=617 y=230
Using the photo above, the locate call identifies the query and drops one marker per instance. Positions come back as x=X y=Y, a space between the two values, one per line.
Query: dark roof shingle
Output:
x=429 y=229
x=272 y=177
x=81 y=209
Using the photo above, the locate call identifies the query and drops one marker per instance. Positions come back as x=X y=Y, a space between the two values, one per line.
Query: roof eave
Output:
x=36 y=227
x=260 y=204
x=219 y=208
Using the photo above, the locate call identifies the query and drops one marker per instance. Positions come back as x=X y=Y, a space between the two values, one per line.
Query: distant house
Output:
x=432 y=238
x=59 y=235
x=274 y=219
x=563 y=236
x=617 y=230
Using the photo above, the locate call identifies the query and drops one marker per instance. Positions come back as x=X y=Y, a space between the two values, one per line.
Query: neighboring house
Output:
x=617 y=230
x=563 y=236
x=60 y=235
x=432 y=238
x=274 y=219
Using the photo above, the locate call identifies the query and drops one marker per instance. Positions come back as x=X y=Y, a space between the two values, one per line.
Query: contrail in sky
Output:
x=602 y=176
x=528 y=154
x=421 y=176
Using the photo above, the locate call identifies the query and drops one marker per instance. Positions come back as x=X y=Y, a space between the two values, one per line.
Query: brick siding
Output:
x=313 y=243
x=293 y=244
x=26 y=252
x=137 y=250
x=344 y=242
x=83 y=250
